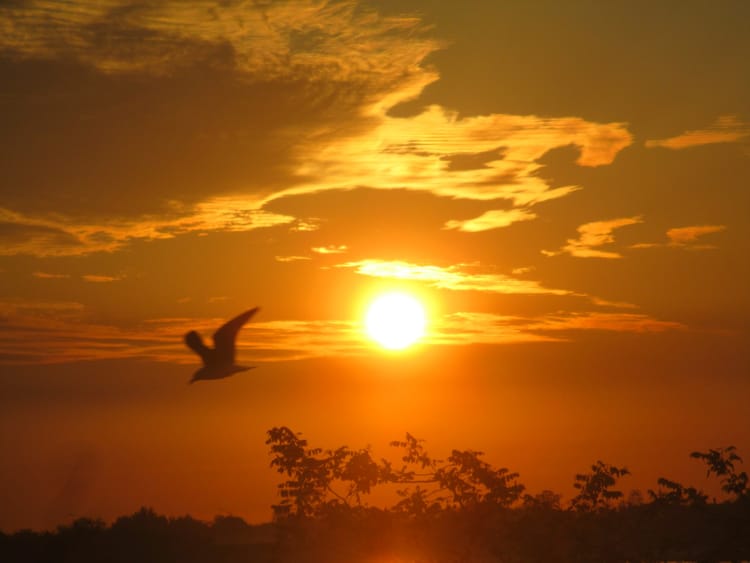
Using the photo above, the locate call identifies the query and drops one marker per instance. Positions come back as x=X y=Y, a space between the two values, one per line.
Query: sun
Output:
x=395 y=320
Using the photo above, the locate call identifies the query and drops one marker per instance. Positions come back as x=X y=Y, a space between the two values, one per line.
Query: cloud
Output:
x=493 y=219
x=455 y=278
x=330 y=249
x=291 y=258
x=521 y=270
x=617 y=322
x=18 y=236
x=306 y=225
x=176 y=117
x=171 y=117
x=411 y=153
x=49 y=276
x=98 y=278
x=467 y=328
x=55 y=235
x=686 y=237
x=726 y=129
x=323 y=40
x=614 y=304
x=62 y=332
x=48 y=332
x=681 y=236
x=593 y=235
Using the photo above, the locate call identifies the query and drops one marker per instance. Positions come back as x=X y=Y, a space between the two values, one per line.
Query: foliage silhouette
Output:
x=671 y=492
x=721 y=463
x=457 y=509
x=322 y=479
x=594 y=488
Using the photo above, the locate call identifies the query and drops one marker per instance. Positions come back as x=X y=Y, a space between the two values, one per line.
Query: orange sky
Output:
x=564 y=185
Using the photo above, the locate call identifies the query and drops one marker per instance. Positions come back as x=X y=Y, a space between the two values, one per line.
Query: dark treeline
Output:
x=461 y=509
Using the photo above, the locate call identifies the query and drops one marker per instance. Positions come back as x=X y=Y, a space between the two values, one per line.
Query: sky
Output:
x=564 y=186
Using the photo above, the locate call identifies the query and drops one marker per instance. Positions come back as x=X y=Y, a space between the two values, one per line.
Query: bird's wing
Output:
x=195 y=343
x=224 y=337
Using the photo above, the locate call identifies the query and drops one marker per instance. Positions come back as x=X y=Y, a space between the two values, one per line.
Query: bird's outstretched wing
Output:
x=225 y=336
x=195 y=343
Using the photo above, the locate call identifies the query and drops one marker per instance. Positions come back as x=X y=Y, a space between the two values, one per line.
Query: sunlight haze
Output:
x=561 y=188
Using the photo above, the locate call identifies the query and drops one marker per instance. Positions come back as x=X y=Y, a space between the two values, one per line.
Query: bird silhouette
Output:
x=218 y=362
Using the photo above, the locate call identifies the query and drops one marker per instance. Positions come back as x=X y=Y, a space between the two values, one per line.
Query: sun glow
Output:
x=395 y=320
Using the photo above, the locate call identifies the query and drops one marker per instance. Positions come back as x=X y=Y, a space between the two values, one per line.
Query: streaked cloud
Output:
x=493 y=219
x=726 y=129
x=50 y=276
x=413 y=153
x=593 y=235
x=521 y=270
x=467 y=328
x=330 y=249
x=19 y=235
x=612 y=304
x=319 y=40
x=257 y=80
x=618 y=322
x=62 y=332
x=98 y=278
x=56 y=235
x=687 y=237
x=456 y=277
x=291 y=258
x=260 y=49
x=681 y=236
x=306 y=225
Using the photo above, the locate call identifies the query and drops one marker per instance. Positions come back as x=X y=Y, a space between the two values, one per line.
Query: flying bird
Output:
x=218 y=362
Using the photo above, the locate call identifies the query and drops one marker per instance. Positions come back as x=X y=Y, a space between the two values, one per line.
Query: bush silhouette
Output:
x=444 y=510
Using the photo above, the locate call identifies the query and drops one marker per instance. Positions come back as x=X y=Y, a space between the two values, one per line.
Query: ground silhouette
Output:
x=460 y=509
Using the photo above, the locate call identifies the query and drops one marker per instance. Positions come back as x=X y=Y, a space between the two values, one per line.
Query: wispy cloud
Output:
x=726 y=129
x=456 y=277
x=320 y=46
x=306 y=225
x=467 y=328
x=411 y=153
x=50 y=276
x=313 y=54
x=618 y=322
x=320 y=40
x=62 y=332
x=612 y=304
x=290 y=258
x=493 y=219
x=686 y=237
x=593 y=235
x=99 y=278
x=681 y=236
x=330 y=249
x=55 y=235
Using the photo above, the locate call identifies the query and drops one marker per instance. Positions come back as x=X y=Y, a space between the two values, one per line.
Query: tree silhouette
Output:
x=314 y=472
x=456 y=509
x=673 y=493
x=721 y=463
x=594 y=488
x=472 y=481
x=461 y=481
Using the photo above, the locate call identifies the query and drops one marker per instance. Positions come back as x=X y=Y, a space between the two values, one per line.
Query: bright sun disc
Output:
x=395 y=320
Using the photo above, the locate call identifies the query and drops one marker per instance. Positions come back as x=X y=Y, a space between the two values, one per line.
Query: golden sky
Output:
x=563 y=185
